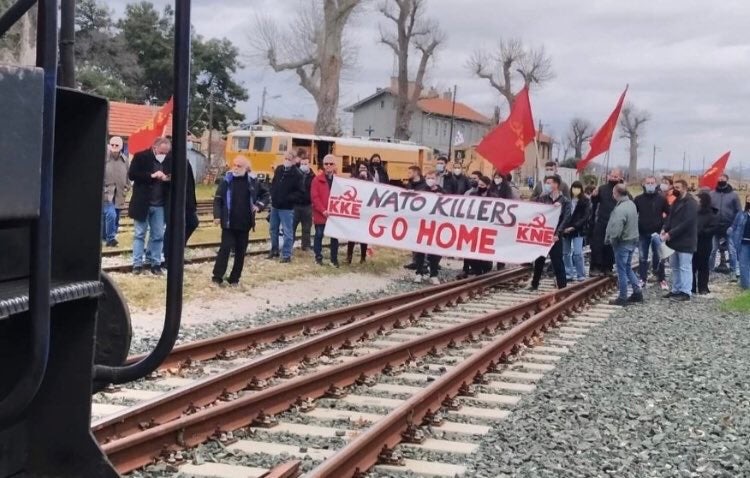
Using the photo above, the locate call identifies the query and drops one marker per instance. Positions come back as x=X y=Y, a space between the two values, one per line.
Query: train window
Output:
x=262 y=145
x=283 y=145
x=241 y=144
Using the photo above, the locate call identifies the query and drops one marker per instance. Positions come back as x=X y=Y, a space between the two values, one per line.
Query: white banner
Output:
x=490 y=229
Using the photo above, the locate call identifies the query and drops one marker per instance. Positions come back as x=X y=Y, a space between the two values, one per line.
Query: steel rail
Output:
x=139 y=449
x=172 y=405
x=211 y=348
x=362 y=453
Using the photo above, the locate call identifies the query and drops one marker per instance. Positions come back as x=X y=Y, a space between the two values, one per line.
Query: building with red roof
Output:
x=127 y=118
x=375 y=116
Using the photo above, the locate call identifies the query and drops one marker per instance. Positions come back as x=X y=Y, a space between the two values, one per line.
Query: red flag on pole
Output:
x=601 y=141
x=146 y=134
x=711 y=176
x=505 y=146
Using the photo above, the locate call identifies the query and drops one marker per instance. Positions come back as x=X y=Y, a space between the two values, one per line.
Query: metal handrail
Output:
x=176 y=226
x=18 y=399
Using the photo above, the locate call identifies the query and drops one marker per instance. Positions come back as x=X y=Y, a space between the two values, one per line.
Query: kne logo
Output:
x=345 y=205
x=536 y=232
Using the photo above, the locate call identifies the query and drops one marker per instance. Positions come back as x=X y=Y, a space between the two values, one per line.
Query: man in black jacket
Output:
x=603 y=203
x=551 y=194
x=150 y=172
x=652 y=210
x=456 y=183
x=303 y=209
x=681 y=234
x=286 y=191
x=238 y=197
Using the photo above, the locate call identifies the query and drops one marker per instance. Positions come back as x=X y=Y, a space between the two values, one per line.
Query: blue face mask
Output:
x=440 y=167
x=650 y=188
x=547 y=188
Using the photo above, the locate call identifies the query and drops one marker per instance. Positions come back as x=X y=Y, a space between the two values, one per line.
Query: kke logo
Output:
x=536 y=232
x=345 y=205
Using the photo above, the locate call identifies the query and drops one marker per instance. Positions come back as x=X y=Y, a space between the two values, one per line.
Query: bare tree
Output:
x=631 y=128
x=580 y=131
x=512 y=62
x=412 y=32
x=313 y=46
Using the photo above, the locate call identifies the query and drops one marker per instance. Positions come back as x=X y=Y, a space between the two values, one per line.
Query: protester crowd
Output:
x=694 y=228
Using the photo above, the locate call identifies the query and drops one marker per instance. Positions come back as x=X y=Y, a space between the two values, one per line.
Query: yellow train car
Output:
x=266 y=149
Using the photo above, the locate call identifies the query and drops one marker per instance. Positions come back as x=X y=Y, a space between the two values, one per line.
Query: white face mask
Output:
x=305 y=168
x=498 y=181
x=189 y=145
x=161 y=157
x=457 y=172
x=252 y=174
x=237 y=174
x=431 y=182
x=287 y=163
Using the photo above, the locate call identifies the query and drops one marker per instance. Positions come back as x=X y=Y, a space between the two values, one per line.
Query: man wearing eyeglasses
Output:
x=320 y=190
x=116 y=186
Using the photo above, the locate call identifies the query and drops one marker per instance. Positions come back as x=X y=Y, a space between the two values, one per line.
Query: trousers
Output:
x=231 y=239
x=556 y=257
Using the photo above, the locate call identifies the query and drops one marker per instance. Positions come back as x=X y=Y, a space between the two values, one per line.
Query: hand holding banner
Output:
x=471 y=227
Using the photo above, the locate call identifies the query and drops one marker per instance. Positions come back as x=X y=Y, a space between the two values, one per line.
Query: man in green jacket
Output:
x=622 y=235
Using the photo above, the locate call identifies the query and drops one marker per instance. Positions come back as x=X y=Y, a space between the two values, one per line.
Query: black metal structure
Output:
x=52 y=144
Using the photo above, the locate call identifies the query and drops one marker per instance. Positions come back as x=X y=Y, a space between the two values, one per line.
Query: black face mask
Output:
x=482 y=189
x=722 y=184
x=614 y=181
x=474 y=183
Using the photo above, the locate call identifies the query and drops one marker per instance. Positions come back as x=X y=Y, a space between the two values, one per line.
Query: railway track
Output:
x=254 y=391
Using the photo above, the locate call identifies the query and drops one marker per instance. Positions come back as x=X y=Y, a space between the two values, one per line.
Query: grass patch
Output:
x=204 y=191
x=739 y=303
x=146 y=291
x=204 y=233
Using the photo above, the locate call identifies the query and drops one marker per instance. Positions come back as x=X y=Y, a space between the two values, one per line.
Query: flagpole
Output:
x=537 y=136
x=606 y=162
x=453 y=118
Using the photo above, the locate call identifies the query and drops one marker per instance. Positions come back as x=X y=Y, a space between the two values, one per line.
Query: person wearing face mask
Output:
x=708 y=225
x=725 y=200
x=681 y=234
x=433 y=261
x=377 y=170
x=363 y=174
x=441 y=170
x=551 y=194
x=475 y=266
x=303 y=208
x=456 y=183
x=116 y=186
x=320 y=192
x=500 y=188
x=550 y=169
x=652 y=208
x=622 y=235
x=739 y=234
x=603 y=203
x=150 y=172
x=574 y=233
x=286 y=191
x=473 y=183
x=238 y=197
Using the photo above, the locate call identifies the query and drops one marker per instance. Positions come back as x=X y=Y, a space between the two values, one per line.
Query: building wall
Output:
x=378 y=114
x=434 y=131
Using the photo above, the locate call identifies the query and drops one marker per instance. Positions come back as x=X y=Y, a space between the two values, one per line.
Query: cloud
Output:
x=685 y=62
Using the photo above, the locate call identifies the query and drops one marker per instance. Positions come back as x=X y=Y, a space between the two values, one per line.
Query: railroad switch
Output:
x=389 y=456
x=413 y=434
x=264 y=421
x=451 y=404
x=433 y=419
x=256 y=384
x=336 y=392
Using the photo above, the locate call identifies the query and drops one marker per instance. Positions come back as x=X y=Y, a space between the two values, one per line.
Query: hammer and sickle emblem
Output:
x=517 y=128
x=539 y=221
x=350 y=195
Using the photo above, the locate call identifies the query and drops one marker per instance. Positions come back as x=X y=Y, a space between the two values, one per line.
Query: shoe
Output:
x=363 y=261
x=319 y=262
x=732 y=277
x=704 y=292
x=664 y=286
x=434 y=280
x=637 y=297
x=233 y=284
x=580 y=279
x=305 y=249
x=335 y=264
x=619 y=301
x=722 y=269
x=286 y=260
x=642 y=284
x=137 y=270
x=417 y=279
x=411 y=267
x=680 y=297
x=112 y=243
x=217 y=280
x=156 y=270
x=669 y=295
x=272 y=255
x=533 y=287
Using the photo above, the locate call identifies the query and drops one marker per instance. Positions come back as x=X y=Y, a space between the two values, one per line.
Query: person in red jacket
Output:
x=320 y=190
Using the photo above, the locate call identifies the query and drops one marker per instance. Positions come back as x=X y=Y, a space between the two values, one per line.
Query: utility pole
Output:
x=653 y=162
x=684 y=156
x=453 y=118
x=262 y=107
x=210 y=125
x=67 y=42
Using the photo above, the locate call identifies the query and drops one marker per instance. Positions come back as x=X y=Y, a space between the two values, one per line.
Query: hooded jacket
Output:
x=727 y=203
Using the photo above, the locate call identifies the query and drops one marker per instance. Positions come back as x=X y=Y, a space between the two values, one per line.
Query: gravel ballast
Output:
x=659 y=390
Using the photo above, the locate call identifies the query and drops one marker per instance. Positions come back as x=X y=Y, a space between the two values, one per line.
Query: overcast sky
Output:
x=687 y=63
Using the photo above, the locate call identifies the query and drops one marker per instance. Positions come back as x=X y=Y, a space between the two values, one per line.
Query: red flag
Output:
x=505 y=146
x=146 y=134
x=601 y=141
x=711 y=176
